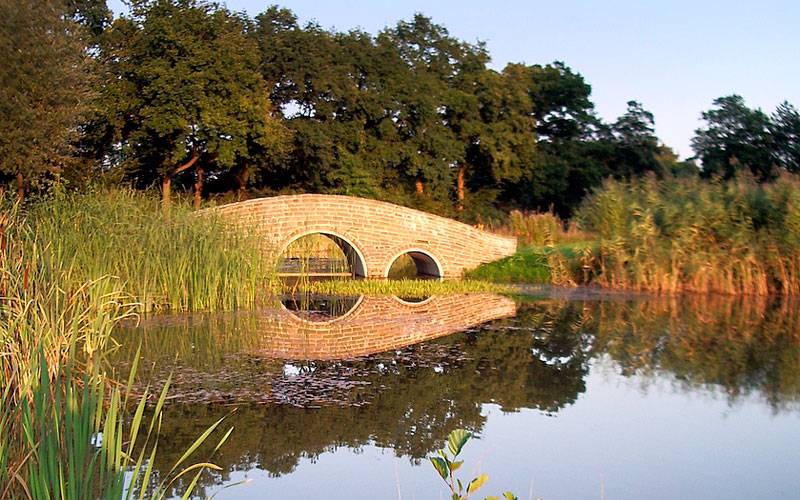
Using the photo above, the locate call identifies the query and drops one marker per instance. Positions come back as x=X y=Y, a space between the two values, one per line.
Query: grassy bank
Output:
x=560 y=264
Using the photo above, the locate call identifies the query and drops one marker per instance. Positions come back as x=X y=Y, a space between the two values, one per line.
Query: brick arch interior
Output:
x=426 y=263
x=355 y=258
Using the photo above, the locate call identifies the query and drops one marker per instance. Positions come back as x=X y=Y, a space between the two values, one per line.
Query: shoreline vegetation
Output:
x=74 y=264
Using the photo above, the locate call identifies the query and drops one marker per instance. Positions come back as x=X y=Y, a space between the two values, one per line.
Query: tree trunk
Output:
x=20 y=189
x=460 y=186
x=165 y=182
x=420 y=187
x=240 y=176
x=198 y=188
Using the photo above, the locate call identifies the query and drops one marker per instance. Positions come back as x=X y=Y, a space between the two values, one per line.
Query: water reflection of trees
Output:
x=414 y=396
x=741 y=345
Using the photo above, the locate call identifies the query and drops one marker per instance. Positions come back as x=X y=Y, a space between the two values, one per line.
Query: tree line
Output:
x=187 y=93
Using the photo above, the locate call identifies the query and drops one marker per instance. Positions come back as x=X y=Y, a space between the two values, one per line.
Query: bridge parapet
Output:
x=378 y=232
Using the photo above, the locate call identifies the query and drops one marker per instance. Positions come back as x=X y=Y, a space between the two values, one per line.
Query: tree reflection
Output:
x=409 y=399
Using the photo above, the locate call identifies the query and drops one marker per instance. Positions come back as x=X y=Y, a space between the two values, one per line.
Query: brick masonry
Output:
x=378 y=231
x=377 y=324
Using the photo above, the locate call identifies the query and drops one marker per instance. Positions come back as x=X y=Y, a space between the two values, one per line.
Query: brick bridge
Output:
x=376 y=324
x=372 y=234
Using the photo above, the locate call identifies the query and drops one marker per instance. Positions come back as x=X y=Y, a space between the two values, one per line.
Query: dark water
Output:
x=569 y=397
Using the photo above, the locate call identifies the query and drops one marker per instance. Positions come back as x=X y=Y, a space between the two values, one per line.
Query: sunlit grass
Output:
x=67 y=431
x=401 y=288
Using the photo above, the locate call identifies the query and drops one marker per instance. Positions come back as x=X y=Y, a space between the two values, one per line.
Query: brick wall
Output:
x=379 y=231
x=377 y=324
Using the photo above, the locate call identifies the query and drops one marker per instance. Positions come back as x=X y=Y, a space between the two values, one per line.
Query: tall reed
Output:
x=676 y=235
x=55 y=330
x=166 y=261
x=537 y=228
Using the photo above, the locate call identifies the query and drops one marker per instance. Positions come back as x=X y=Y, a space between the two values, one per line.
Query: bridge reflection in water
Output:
x=374 y=324
x=246 y=357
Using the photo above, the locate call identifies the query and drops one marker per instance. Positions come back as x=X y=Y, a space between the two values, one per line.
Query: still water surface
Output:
x=569 y=397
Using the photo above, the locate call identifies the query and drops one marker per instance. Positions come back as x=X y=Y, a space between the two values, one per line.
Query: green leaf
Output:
x=456 y=441
x=440 y=466
x=476 y=483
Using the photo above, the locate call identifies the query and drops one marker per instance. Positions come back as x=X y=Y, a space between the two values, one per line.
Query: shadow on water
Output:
x=402 y=376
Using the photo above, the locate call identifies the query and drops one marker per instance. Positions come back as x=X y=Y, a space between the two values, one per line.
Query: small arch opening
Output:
x=320 y=308
x=320 y=256
x=415 y=264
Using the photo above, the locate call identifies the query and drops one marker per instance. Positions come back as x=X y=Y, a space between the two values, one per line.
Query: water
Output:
x=569 y=396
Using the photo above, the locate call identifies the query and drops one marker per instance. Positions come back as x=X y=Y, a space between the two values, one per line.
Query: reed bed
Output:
x=537 y=229
x=175 y=261
x=67 y=431
x=689 y=235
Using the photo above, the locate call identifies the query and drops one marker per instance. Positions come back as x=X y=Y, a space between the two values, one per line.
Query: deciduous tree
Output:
x=45 y=86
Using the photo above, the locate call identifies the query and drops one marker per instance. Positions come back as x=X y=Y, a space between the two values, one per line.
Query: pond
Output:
x=569 y=394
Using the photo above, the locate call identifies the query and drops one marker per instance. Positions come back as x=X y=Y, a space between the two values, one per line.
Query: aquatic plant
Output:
x=65 y=428
x=402 y=288
x=690 y=235
x=446 y=466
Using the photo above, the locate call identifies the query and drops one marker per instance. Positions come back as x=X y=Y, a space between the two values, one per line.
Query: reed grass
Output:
x=56 y=319
x=537 y=229
x=174 y=261
x=690 y=235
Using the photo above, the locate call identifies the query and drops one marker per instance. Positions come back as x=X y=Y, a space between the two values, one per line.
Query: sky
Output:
x=673 y=57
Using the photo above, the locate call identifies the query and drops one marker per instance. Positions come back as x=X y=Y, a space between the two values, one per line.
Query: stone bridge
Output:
x=372 y=234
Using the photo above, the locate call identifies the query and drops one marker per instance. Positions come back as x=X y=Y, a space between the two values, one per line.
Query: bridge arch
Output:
x=355 y=258
x=426 y=263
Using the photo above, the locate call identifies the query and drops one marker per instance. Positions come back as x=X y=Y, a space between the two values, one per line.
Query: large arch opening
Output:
x=321 y=255
x=415 y=264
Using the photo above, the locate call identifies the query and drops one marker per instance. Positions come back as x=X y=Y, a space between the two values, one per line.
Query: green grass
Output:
x=401 y=288
x=558 y=264
x=56 y=319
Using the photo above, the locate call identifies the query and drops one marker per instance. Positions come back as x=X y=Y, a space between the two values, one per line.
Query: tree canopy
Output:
x=186 y=91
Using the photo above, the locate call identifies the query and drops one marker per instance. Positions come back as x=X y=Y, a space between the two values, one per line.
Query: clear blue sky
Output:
x=674 y=57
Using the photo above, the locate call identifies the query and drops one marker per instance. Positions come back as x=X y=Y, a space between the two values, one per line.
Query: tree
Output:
x=636 y=146
x=185 y=93
x=785 y=129
x=45 y=86
x=735 y=137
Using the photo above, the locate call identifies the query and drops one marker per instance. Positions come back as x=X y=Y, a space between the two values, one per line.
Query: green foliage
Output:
x=184 y=91
x=63 y=433
x=735 y=138
x=446 y=466
x=46 y=83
